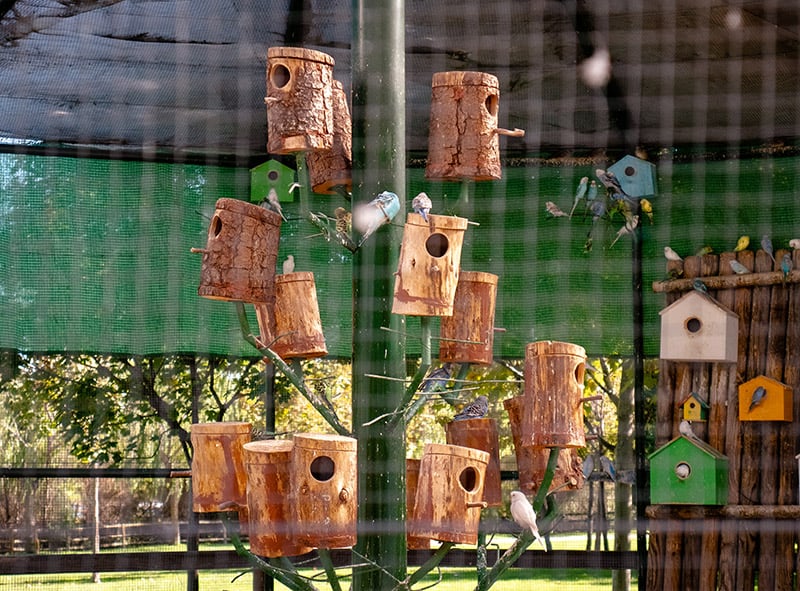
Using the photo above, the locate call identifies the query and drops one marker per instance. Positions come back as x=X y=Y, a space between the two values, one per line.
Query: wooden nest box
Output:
x=429 y=265
x=481 y=434
x=468 y=335
x=240 y=254
x=268 y=465
x=332 y=168
x=218 y=474
x=688 y=472
x=698 y=328
x=324 y=493
x=412 y=479
x=297 y=327
x=772 y=403
x=449 y=494
x=299 y=100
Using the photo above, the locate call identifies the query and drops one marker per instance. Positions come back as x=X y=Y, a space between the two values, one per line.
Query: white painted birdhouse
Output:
x=698 y=328
x=773 y=403
x=688 y=472
x=694 y=408
x=636 y=176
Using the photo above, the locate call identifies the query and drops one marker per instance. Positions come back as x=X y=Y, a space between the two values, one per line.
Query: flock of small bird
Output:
x=612 y=200
x=742 y=244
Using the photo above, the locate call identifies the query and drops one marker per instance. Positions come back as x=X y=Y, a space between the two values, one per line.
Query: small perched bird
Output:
x=628 y=228
x=273 y=203
x=786 y=265
x=344 y=220
x=671 y=255
x=647 y=208
x=370 y=216
x=554 y=210
x=436 y=381
x=738 y=267
x=766 y=246
x=685 y=429
x=704 y=251
x=422 y=205
x=580 y=193
x=288 y=264
x=591 y=194
x=758 y=397
x=794 y=243
x=607 y=466
x=588 y=466
x=523 y=513
x=742 y=243
x=476 y=410
x=698 y=285
x=610 y=181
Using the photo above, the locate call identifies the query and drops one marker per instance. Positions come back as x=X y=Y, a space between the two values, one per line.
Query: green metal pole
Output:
x=379 y=164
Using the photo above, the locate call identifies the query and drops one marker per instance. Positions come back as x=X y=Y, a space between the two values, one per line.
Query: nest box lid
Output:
x=700 y=300
x=681 y=442
x=695 y=396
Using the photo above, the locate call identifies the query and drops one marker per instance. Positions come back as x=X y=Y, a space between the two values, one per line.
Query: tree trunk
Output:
x=625 y=463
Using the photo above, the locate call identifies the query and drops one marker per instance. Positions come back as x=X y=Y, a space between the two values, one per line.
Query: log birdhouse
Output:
x=449 y=493
x=240 y=254
x=329 y=169
x=481 y=434
x=698 y=328
x=532 y=461
x=637 y=177
x=429 y=266
x=694 y=408
x=463 y=137
x=412 y=479
x=218 y=473
x=688 y=472
x=765 y=399
x=299 y=100
x=324 y=496
x=298 y=328
x=268 y=465
x=271 y=175
x=468 y=335
x=551 y=409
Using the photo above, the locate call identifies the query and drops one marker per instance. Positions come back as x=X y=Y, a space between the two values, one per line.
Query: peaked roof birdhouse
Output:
x=765 y=399
x=637 y=177
x=688 y=472
x=271 y=175
x=698 y=328
x=694 y=408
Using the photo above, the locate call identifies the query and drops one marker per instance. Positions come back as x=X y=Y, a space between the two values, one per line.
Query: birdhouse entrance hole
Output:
x=216 y=226
x=630 y=171
x=468 y=479
x=280 y=76
x=683 y=470
x=272 y=175
x=437 y=245
x=694 y=325
x=322 y=468
x=579 y=370
x=491 y=104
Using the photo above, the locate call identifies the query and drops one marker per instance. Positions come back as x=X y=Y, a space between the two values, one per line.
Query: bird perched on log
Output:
x=288 y=264
x=698 y=285
x=704 y=251
x=742 y=243
x=671 y=255
x=738 y=267
x=794 y=243
x=422 y=205
x=766 y=246
x=523 y=513
x=476 y=410
x=786 y=265
x=759 y=394
x=273 y=203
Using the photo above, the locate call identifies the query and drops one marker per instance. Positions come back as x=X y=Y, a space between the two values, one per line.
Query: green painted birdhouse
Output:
x=271 y=175
x=694 y=408
x=688 y=472
x=765 y=399
x=636 y=176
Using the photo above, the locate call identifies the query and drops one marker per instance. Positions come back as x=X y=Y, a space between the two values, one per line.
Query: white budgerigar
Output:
x=671 y=255
x=288 y=264
x=523 y=513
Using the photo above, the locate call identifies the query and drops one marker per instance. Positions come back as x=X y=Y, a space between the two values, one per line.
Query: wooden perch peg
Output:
x=516 y=132
x=591 y=398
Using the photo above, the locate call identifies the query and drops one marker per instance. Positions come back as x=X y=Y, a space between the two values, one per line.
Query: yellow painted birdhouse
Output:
x=765 y=399
x=698 y=328
x=694 y=408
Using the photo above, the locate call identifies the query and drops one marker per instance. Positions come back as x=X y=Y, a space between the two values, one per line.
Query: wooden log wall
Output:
x=750 y=543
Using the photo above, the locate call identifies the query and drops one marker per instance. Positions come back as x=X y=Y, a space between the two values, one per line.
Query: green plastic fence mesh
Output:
x=95 y=254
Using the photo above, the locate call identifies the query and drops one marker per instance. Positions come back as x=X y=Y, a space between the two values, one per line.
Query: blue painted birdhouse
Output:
x=765 y=399
x=636 y=176
x=688 y=472
x=271 y=175
x=698 y=328
x=694 y=408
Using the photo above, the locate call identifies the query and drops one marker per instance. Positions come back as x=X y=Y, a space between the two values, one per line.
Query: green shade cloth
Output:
x=95 y=254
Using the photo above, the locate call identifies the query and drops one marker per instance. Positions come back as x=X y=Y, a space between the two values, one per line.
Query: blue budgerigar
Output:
x=758 y=397
x=738 y=267
x=476 y=410
x=422 y=205
x=436 y=381
x=698 y=285
x=786 y=265
x=766 y=246
x=580 y=193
